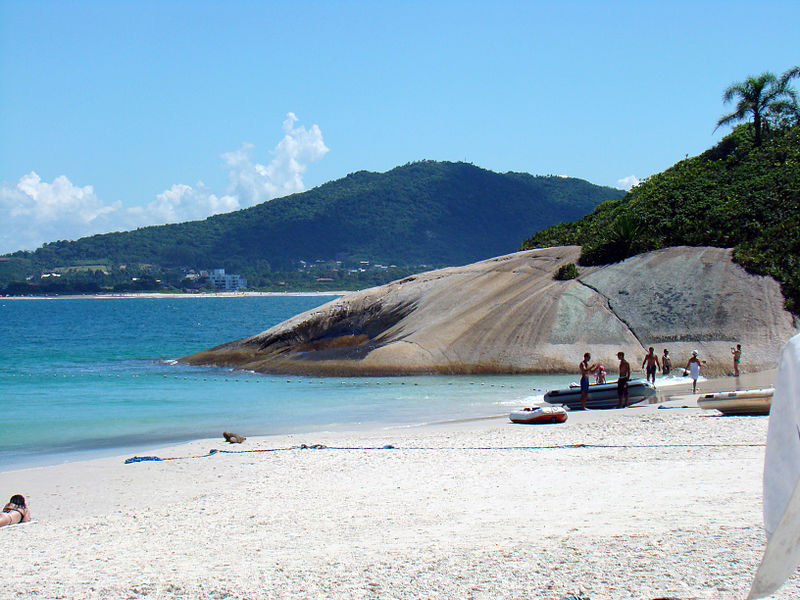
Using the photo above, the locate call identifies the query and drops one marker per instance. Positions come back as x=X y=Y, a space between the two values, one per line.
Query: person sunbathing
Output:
x=15 y=511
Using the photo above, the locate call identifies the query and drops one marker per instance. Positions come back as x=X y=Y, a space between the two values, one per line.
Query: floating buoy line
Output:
x=232 y=379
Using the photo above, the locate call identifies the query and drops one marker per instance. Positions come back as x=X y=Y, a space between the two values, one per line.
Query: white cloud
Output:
x=33 y=211
x=626 y=183
x=254 y=183
x=184 y=203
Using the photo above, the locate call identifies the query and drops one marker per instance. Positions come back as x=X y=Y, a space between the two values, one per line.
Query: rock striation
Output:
x=508 y=315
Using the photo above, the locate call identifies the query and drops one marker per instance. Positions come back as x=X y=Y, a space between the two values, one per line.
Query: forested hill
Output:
x=737 y=194
x=434 y=213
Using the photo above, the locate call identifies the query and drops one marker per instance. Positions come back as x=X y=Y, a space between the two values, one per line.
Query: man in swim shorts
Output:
x=666 y=363
x=622 y=381
x=651 y=360
x=585 y=369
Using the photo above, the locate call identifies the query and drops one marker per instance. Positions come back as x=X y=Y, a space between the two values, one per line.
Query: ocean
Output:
x=88 y=377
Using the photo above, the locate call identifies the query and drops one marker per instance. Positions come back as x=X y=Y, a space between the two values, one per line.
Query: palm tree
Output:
x=757 y=95
x=787 y=109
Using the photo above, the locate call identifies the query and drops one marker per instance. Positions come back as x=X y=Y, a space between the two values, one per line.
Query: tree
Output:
x=786 y=111
x=757 y=97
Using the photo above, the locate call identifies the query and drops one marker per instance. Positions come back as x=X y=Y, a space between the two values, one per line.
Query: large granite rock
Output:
x=508 y=315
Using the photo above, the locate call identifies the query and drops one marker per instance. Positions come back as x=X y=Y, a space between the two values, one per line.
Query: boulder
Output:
x=509 y=315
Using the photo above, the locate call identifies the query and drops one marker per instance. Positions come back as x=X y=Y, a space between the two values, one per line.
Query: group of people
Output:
x=16 y=511
x=587 y=369
x=651 y=365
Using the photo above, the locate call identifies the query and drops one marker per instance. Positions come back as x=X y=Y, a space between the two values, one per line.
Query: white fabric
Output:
x=781 y=478
x=694 y=370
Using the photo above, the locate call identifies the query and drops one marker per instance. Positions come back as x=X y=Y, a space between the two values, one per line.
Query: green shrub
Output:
x=565 y=272
x=735 y=195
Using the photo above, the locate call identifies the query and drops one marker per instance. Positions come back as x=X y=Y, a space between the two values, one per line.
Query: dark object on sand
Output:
x=233 y=438
x=136 y=459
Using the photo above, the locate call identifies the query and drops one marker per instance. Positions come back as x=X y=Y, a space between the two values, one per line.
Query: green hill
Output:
x=423 y=213
x=734 y=195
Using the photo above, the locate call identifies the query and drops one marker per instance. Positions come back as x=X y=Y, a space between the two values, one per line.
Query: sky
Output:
x=118 y=114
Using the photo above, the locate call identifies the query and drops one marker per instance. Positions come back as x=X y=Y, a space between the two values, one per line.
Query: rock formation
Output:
x=508 y=315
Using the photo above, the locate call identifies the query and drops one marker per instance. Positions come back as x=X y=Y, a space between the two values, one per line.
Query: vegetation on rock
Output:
x=735 y=195
x=566 y=272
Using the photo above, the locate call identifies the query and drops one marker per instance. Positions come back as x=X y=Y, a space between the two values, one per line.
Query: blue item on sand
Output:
x=136 y=459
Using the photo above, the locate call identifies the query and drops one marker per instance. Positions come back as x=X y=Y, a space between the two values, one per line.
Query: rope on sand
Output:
x=212 y=452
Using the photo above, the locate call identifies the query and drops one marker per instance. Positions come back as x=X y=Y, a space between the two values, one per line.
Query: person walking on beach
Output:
x=651 y=360
x=585 y=369
x=693 y=368
x=737 y=358
x=622 y=380
x=666 y=363
x=15 y=511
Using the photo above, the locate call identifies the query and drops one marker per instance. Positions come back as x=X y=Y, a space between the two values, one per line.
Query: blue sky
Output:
x=117 y=114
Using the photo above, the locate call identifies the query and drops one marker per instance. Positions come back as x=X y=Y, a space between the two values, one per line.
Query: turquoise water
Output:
x=86 y=376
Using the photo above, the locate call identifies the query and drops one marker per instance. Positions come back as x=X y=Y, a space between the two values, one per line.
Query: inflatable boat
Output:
x=742 y=402
x=539 y=414
x=601 y=395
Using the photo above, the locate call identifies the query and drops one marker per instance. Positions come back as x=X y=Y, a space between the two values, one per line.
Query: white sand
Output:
x=455 y=511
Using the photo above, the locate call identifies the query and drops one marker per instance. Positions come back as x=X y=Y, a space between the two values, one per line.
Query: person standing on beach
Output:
x=693 y=368
x=585 y=369
x=622 y=380
x=651 y=360
x=737 y=358
x=666 y=363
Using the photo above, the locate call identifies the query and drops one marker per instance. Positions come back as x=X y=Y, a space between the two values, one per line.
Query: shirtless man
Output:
x=585 y=369
x=666 y=363
x=622 y=381
x=651 y=360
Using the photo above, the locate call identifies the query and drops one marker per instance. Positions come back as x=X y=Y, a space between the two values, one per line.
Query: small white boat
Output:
x=742 y=402
x=539 y=414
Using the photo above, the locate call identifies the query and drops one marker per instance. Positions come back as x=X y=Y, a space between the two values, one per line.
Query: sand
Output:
x=638 y=503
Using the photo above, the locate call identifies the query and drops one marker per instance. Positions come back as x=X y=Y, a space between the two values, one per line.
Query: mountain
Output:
x=423 y=213
x=735 y=195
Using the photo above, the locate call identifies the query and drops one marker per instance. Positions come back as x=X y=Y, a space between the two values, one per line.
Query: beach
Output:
x=637 y=503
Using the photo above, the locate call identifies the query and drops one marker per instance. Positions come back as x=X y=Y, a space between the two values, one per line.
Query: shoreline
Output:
x=175 y=295
x=144 y=443
x=634 y=503
x=669 y=390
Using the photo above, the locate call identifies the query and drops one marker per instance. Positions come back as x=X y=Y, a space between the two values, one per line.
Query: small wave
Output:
x=527 y=401
x=671 y=380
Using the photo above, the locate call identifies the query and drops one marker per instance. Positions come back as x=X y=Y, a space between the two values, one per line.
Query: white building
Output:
x=223 y=281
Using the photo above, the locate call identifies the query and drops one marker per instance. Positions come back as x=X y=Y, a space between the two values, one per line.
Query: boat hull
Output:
x=742 y=402
x=600 y=396
x=539 y=415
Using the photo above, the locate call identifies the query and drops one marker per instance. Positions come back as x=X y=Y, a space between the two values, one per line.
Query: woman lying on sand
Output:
x=15 y=511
